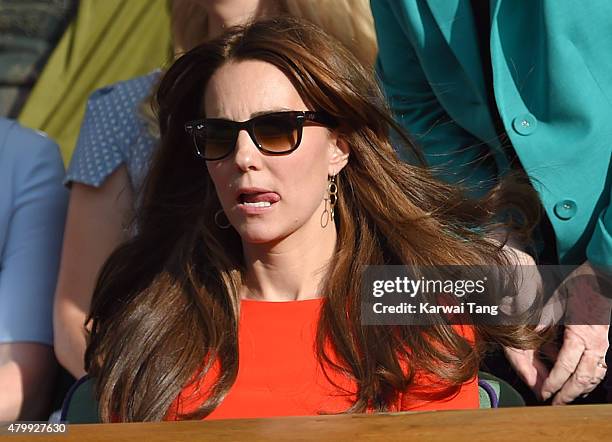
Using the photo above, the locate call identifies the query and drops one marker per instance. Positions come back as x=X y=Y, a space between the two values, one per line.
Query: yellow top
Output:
x=108 y=41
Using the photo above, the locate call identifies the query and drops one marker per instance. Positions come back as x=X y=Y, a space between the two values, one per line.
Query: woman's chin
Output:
x=257 y=236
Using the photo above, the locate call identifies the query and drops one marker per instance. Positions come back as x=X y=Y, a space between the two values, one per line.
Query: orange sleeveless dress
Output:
x=279 y=374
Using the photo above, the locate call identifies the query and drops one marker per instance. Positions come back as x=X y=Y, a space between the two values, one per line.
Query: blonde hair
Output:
x=189 y=24
x=349 y=21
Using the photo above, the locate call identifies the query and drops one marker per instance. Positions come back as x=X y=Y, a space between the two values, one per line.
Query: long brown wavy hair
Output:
x=166 y=304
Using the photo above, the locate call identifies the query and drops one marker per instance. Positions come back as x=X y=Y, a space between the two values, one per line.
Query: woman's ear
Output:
x=340 y=151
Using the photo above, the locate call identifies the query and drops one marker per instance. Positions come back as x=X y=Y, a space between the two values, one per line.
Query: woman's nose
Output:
x=246 y=154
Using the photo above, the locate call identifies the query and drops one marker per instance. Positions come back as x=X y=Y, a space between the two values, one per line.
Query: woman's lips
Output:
x=256 y=201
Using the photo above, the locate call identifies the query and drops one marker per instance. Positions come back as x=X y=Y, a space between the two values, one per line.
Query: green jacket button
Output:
x=565 y=209
x=525 y=124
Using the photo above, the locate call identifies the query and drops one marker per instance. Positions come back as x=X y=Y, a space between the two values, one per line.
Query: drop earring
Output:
x=330 y=201
x=332 y=191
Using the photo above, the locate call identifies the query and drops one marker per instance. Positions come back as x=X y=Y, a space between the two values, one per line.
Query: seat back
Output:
x=80 y=405
x=494 y=392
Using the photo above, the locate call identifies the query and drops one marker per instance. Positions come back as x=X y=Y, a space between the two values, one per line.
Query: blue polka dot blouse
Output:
x=114 y=133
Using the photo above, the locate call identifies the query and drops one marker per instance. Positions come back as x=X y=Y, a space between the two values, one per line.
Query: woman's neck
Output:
x=291 y=269
x=223 y=15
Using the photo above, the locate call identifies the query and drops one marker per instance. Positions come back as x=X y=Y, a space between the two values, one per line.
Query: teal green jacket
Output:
x=552 y=78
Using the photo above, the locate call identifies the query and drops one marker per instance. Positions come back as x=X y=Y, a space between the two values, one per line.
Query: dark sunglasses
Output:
x=277 y=133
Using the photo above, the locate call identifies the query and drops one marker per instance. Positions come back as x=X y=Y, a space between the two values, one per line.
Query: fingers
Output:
x=567 y=361
x=529 y=367
x=589 y=373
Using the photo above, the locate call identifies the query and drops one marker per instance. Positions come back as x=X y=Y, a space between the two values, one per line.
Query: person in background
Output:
x=240 y=295
x=492 y=86
x=118 y=138
x=29 y=30
x=33 y=205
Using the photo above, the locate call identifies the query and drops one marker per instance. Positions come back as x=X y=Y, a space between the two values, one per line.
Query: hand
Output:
x=580 y=364
x=529 y=367
x=526 y=363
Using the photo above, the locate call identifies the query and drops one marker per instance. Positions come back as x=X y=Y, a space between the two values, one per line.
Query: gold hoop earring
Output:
x=218 y=224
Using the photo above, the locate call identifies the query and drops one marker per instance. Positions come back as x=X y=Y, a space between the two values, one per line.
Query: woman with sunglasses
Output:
x=274 y=185
x=119 y=135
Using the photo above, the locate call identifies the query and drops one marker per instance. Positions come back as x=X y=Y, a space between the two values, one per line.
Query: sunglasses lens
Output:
x=276 y=133
x=216 y=139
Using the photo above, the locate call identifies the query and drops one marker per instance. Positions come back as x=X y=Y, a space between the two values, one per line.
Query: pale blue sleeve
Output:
x=34 y=203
